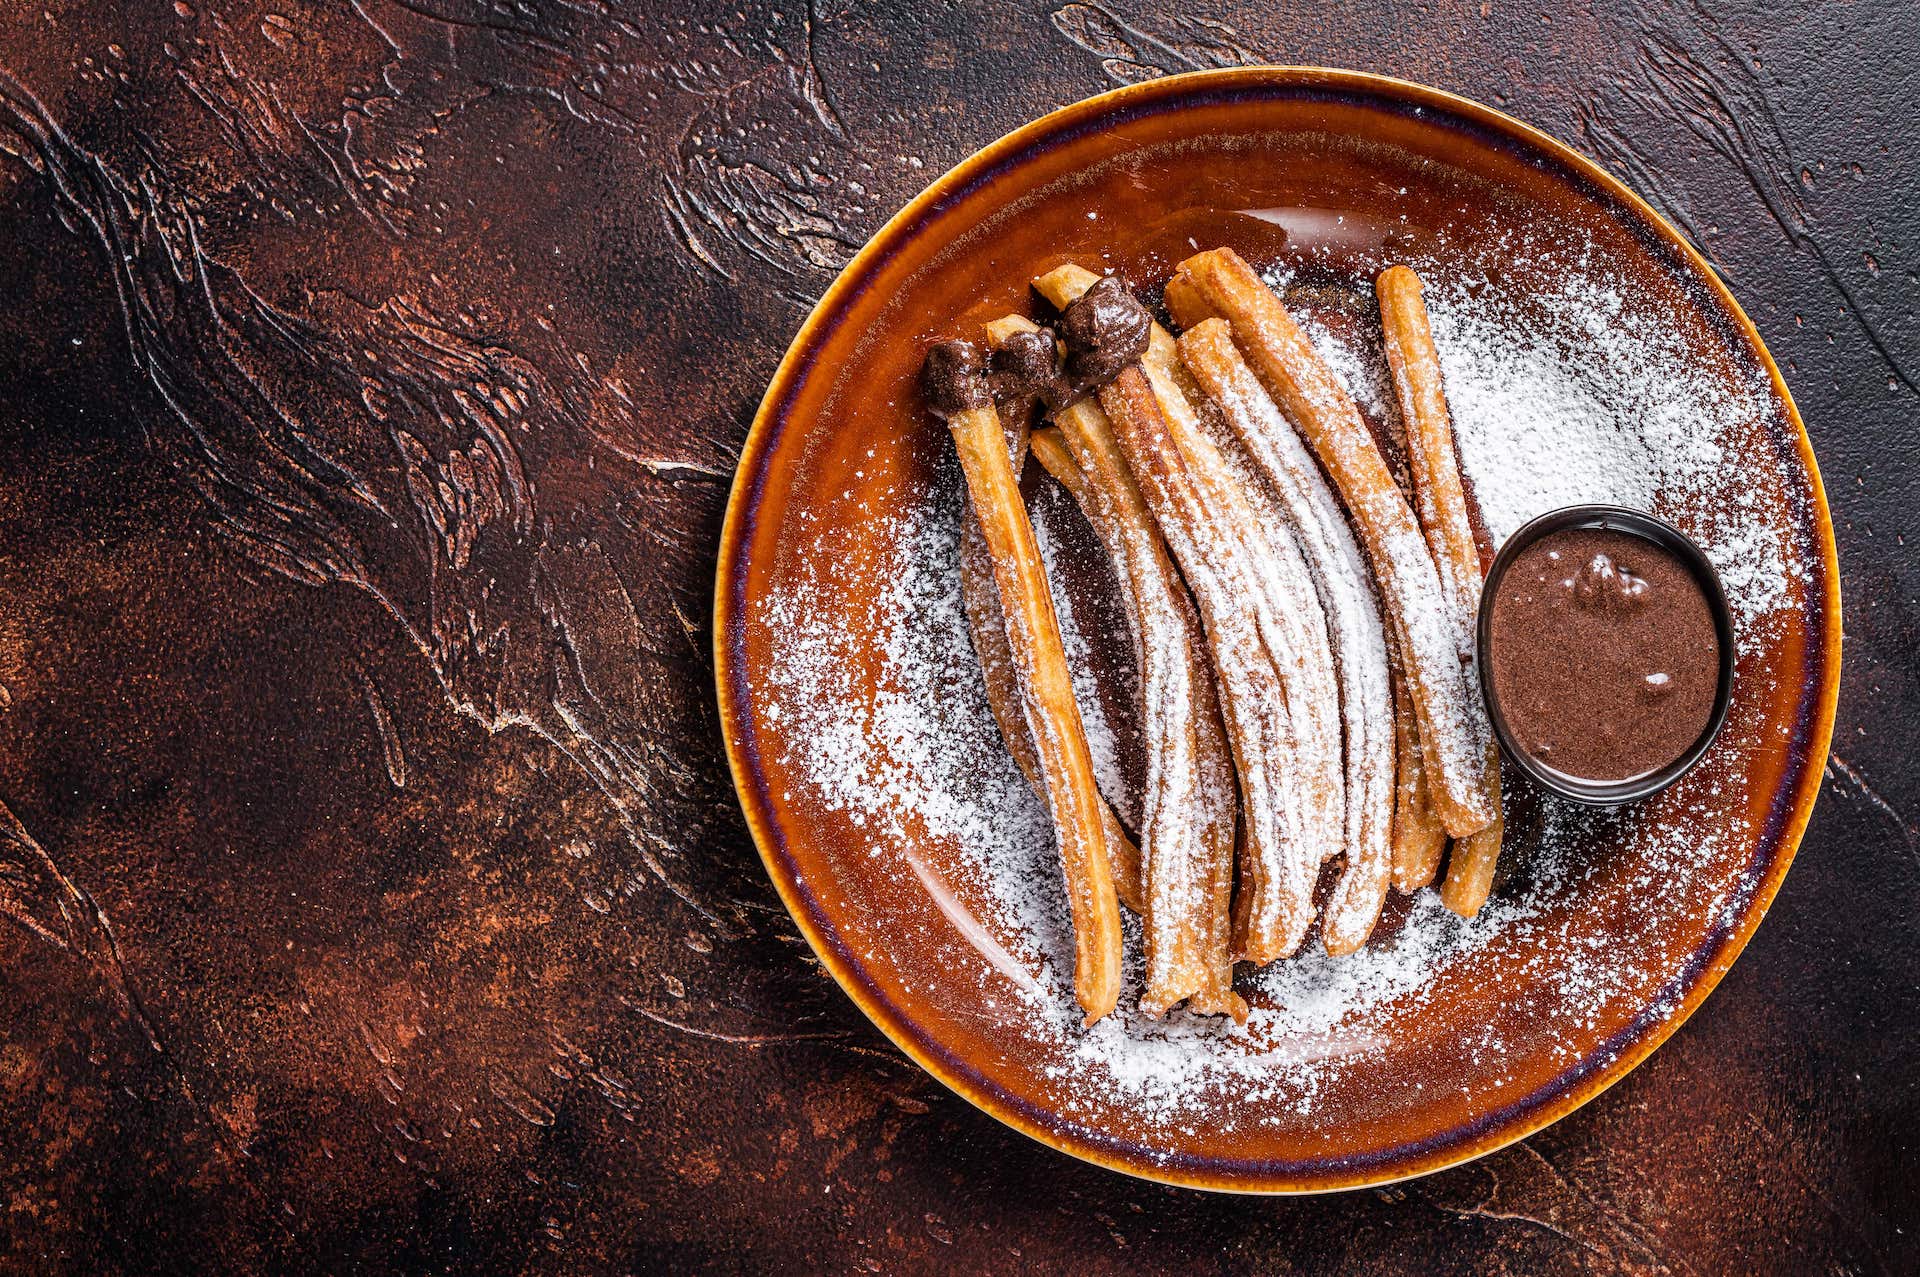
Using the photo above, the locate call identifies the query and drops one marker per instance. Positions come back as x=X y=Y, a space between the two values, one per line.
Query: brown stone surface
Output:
x=372 y=895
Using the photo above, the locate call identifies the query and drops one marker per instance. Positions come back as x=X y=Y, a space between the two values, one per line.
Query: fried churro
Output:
x=1289 y=600
x=1287 y=604
x=1206 y=524
x=1452 y=722
x=1418 y=840
x=1263 y=436
x=957 y=391
x=1440 y=498
x=1189 y=822
x=980 y=600
x=1017 y=343
x=1438 y=494
x=1051 y=451
x=1188 y=826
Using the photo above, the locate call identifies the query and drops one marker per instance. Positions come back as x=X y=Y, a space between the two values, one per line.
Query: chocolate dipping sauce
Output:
x=1104 y=331
x=1604 y=655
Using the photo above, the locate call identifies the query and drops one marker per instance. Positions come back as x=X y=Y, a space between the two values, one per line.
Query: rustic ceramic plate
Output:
x=1590 y=354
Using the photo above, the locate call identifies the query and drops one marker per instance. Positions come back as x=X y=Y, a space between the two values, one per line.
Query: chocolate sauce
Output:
x=1025 y=369
x=1604 y=654
x=954 y=379
x=1104 y=331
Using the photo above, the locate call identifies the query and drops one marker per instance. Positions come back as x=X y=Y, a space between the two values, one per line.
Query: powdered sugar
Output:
x=919 y=755
x=1102 y=742
x=1581 y=395
x=1257 y=436
x=1573 y=395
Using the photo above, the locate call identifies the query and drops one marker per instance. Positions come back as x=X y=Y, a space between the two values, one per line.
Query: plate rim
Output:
x=893 y=1023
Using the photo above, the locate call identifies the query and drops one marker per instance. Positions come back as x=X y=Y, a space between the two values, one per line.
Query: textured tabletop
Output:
x=372 y=891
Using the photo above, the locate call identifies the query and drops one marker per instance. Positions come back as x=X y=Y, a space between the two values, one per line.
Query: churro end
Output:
x=954 y=379
x=1105 y=330
x=1206 y=333
x=1063 y=284
x=998 y=330
x=1184 y=302
x=1396 y=278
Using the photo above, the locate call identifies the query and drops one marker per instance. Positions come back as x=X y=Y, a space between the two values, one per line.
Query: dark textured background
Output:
x=372 y=893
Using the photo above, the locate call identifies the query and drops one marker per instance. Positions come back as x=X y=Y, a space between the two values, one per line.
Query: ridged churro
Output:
x=957 y=391
x=980 y=600
x=1453 y=725
x=1262 y=434
x=1188 y=824
x=1440 y=498
x=1188 y=858
x=1290 y=596
x=1418 y=840
x=1287 y=602
x=1206 y=524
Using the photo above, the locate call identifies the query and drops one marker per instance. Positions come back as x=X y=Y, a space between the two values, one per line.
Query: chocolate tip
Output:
x=954 y=378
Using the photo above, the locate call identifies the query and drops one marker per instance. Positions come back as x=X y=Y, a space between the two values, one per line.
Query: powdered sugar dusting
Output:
x=1573 y=395
x=1102 y=742
x=1586 y=394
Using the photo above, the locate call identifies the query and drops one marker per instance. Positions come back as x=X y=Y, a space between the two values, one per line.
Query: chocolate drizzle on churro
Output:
x=1105 y=329
x=1025 y=369
x=1094 y=338
x=954 y=379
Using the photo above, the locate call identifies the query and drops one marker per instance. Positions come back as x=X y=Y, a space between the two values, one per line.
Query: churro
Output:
x=1205 y=523
x=1287 y=600
x=1440 y=498
x=1470 y=869
x=1188 y=826
x=1051 y=451
x=1012 y=342
x=980 y=600
x=1189 y=822
x=1262 y=435
x=1452 y=722
x=957 y=391
x=1418 y=840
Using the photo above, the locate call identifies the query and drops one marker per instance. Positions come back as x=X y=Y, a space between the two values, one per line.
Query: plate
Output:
x=1590 y=355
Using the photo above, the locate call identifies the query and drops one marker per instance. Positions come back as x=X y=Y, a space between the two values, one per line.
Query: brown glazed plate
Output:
x=1590 y=355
